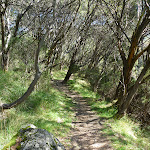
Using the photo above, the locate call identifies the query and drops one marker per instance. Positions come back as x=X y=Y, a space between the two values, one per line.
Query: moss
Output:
x=13 y=140
x=18 y=147
x=55 y=141
x=11 y=143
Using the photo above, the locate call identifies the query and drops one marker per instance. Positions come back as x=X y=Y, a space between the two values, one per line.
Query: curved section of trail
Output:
x=86 y=132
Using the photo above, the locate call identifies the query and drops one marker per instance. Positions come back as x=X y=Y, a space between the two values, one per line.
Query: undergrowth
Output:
x=125 y=133
x=46 y=107
x=51 y=109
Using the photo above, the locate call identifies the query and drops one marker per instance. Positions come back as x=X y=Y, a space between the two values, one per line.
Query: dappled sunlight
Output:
x=83 y=82
x=131 y=133
x=85 y=133
x=124 y=133
x=83 y=88
x=46 y=108
x=98 y=145
x=76 y=65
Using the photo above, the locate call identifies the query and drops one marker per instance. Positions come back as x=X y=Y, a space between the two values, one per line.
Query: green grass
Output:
x=51 y=109
x=46 y=108
x=59 y=74
x=124 y=134
x=82 y=87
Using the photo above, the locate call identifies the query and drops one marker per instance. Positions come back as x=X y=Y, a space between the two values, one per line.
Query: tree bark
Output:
x=128 y=63
x=69 y=72
x=31 y=87
x=128 y=99
x=5 y=61
x=10 y=39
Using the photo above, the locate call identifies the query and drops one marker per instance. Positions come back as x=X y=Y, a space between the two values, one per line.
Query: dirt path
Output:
x=85 y=134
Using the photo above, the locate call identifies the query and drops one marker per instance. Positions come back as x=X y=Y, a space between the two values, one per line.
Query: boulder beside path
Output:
x=32 y=138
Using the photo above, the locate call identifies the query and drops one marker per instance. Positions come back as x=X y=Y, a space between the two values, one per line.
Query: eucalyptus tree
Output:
x=129 y=27
x=101 y=49
x=81 y=29
x=65 y=16
x=11 y=15
x=40 y=27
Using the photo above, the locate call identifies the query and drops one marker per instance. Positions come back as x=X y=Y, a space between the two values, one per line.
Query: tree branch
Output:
x=60 y=36
x=145 y=79
x=19 y=17
x=116 y=19
x=12 y=38
x=136 y=36
x=141 y=53
x=31 y=87
x=123 y=7
x=122 y=54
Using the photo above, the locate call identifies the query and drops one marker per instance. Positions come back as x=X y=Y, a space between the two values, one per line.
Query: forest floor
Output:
x=86 y=128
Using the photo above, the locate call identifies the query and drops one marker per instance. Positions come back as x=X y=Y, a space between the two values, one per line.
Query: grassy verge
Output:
x=46 y=108
x=124 y=134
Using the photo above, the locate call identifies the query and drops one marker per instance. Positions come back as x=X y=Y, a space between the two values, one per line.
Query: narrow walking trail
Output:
x=86 y=132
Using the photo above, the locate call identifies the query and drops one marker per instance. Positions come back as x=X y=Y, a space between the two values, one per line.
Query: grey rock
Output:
x=39 y=139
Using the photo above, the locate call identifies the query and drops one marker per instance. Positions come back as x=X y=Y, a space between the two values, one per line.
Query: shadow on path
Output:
x=86 y=133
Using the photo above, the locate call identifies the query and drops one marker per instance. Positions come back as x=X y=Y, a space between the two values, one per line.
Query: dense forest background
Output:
x=103 y=41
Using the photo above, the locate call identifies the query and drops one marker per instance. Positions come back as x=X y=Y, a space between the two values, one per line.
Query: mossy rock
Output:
x=13 y=140
x=34 y=139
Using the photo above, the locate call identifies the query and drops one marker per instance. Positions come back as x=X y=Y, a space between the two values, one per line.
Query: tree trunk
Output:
x=32 y=85
x=118 y=89
x=96 y=84
x=5 y=61
x=25 y=96
x=8 y=36
x=127 y=99
x=69 y=72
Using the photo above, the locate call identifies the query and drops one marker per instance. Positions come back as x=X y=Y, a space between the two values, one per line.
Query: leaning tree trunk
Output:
x=71 y=67
x=69 y=72
x=32 y=85
x=97 y=82
x=129 y=97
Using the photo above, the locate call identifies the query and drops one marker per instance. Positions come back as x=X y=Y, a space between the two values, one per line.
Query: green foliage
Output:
x=11 y=143
x=59 y=74
x=92 y=75
x=22 y=54
x=108 y=80
x=46 y=108
x=84 y=88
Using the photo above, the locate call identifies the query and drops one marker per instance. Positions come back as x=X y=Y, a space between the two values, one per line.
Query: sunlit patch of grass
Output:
x=83 y=87
x=125 y=134
x=103 y=108
x=46 y=107
x=59 y=74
